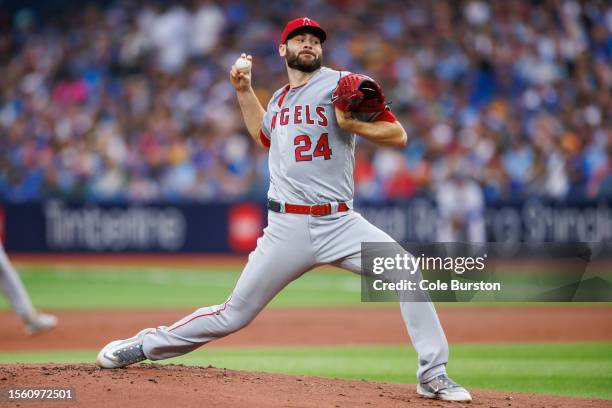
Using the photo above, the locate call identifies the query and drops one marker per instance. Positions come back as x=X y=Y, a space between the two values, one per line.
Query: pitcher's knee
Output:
x=238 y=317
x=235 y=316
x=235 y=323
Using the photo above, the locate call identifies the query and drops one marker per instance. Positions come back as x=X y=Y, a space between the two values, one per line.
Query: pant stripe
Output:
x=216 y=312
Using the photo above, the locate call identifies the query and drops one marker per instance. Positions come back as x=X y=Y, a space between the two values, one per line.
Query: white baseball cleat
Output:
x=121 y=353
x=445 y=389
x=37 y=322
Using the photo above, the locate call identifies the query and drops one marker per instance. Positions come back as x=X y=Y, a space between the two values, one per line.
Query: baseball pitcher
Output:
x=309 y=127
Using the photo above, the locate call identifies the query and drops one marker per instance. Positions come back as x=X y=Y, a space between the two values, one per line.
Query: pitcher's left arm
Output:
x=358 y=96
x=381 y=132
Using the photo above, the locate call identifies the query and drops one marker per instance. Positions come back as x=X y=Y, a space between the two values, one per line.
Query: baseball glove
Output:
x=359 y=93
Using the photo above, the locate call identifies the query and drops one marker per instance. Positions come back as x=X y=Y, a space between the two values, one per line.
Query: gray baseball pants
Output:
x=293 y=244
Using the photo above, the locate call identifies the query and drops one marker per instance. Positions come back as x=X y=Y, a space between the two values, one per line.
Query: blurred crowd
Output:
x=131 y=100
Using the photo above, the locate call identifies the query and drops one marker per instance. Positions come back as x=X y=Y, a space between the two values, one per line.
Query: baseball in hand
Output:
x=242 y=64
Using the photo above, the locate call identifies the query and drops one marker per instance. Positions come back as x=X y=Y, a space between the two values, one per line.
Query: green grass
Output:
x=106 y=287
x=59 y=287
x=540 y=368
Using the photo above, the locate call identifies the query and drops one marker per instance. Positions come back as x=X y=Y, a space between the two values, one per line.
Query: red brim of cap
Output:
x=308 y=29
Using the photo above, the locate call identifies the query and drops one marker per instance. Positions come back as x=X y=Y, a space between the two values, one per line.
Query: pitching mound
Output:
x=152 y=385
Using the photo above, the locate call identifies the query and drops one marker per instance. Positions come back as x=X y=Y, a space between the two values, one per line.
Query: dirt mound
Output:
x=151 y=385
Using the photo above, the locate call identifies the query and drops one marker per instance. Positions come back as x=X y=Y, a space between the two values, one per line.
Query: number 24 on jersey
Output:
x=304 y=144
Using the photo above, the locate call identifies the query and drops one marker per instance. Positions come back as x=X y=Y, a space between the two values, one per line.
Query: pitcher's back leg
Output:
x=421 y=319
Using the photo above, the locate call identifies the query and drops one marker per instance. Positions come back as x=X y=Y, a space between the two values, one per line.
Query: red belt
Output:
x=314 y=210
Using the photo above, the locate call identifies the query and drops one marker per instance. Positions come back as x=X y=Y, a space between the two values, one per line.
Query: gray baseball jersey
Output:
x=311 y=159
x=311 y=162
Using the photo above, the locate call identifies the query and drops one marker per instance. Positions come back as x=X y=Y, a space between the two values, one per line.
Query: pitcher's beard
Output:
x=294 y=61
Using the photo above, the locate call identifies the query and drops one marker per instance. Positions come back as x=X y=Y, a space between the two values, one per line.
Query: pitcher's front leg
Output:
x=271 y=267
x=282 y=255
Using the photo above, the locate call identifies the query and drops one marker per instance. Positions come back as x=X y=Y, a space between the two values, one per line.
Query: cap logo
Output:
x=306 y=21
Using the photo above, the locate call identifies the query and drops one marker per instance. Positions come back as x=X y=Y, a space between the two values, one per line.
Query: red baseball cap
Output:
x=302 y=22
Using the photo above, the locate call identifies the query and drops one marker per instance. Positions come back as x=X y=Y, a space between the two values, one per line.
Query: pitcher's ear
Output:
x=282 y=49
